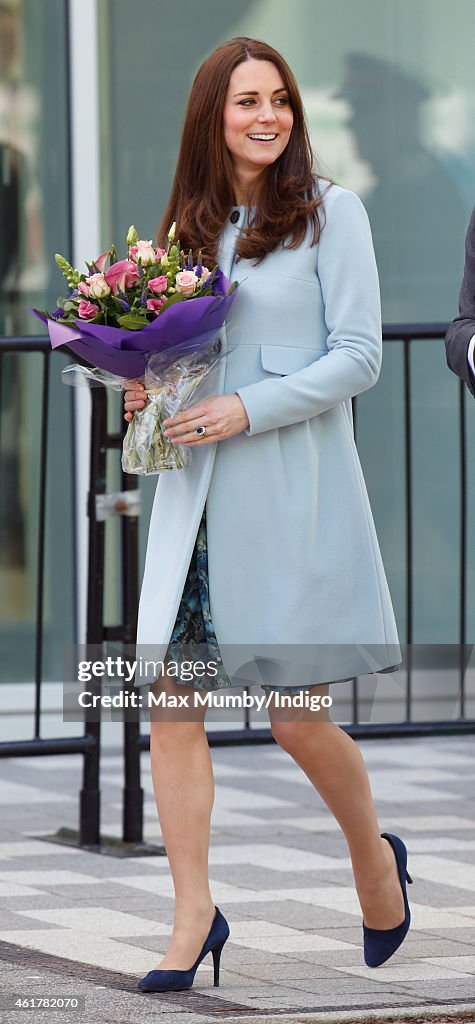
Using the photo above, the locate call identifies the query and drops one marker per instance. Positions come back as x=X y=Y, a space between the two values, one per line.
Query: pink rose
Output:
x=84 y=289
x=122 y=274
x=101 y=261
x=158 y=285
x=186 y=282
x=159 y=253
x=87 y=310
x=155 y=305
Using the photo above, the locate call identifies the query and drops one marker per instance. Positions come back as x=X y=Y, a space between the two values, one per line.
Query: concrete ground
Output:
x=81 y=924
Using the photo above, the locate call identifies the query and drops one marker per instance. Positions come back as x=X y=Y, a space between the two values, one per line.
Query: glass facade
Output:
x=389 y=92
x=389 y=95
x=35 y=216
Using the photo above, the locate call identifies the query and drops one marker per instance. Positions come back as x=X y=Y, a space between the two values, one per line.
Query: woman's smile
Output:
x=266 y=139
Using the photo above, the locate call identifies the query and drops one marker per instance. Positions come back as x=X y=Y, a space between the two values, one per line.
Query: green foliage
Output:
x=177 y=297
x=132 y=321
x=72 y=276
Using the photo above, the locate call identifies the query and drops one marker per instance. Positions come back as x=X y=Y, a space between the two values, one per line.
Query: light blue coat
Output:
x=292 y=548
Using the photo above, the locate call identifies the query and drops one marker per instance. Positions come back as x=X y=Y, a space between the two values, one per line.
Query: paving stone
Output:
x=466 y=935
x=418 y=945
x=284 y=971
x=448 y=989
x=281 y=874
x=298 y=915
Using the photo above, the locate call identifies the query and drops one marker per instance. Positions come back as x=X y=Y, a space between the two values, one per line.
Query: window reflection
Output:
x=34 y=218
x=418 y=216
x=22 y=260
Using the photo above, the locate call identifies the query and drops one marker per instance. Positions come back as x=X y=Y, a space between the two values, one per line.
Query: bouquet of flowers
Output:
x=132 y=319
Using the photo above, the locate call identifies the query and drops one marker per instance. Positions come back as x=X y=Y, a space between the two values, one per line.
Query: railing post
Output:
x=463 y=548
x=409 y=531
x=89 y=812
x=133 y=794
x=40 y=581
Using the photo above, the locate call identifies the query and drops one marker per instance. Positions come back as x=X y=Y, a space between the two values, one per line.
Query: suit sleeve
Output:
x=471 y=355
x=462 y=328
x=346 y=267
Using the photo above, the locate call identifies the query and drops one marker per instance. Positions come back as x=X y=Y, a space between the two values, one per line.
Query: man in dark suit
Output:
x=460 y=337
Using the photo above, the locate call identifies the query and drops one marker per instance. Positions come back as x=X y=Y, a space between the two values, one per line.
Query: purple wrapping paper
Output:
x=125 y=353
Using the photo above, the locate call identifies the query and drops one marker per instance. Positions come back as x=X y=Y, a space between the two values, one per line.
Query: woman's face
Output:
x=257 y=102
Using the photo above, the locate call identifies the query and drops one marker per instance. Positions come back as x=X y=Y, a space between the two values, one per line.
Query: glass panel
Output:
x=389 y=92
x=34 y=212
x=382 y=453
x=34 y=181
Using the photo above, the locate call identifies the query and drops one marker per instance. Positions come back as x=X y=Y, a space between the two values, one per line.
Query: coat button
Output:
x=234 y=217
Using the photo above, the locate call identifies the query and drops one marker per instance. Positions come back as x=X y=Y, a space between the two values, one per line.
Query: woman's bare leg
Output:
x=183 y=784
x=334 y=764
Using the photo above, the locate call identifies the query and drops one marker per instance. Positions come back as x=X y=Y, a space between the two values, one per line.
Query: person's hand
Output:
x=222 y=415
x=134 y=398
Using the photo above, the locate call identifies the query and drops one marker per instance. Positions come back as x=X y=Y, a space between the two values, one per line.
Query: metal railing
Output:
x=88 y=744
x=407 y=334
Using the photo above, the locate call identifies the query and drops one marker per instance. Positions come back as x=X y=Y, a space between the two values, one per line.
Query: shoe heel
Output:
x=216 y=959
x=381 y=943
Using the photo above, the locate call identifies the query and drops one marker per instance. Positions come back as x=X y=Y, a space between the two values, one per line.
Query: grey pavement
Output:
x=79 y=924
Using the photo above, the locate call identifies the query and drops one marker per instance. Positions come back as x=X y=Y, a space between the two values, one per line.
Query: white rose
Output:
x=146 y=252
x=98 y=287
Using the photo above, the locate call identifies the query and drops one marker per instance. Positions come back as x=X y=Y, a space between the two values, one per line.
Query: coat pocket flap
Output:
x=286 y=359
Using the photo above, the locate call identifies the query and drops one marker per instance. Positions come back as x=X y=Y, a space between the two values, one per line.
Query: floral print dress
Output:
x=193 y=623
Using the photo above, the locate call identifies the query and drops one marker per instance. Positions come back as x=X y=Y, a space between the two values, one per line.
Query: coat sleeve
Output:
x=462 y=328
x=346 y=267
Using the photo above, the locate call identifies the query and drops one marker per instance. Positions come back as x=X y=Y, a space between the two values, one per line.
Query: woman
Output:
x=267 y=536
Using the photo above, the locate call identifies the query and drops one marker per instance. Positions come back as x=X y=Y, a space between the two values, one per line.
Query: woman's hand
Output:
x=134 y=398
x=222 y=415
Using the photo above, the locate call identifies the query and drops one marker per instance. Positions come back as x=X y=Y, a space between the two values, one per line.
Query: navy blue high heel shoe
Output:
x=174 y=981
x=381 y=943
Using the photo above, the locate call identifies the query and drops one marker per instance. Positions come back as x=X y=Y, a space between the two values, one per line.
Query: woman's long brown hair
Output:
x=202 y=192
